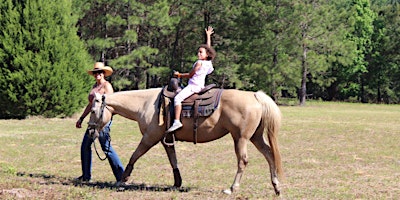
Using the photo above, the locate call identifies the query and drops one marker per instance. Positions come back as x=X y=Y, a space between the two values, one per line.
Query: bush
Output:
x=42 y=60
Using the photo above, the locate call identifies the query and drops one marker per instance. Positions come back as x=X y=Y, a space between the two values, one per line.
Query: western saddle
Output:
x=200 y=104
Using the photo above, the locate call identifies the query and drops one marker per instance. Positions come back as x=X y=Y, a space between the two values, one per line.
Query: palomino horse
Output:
x=245 y=115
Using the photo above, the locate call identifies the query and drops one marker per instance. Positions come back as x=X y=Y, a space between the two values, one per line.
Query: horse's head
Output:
x=99 y=115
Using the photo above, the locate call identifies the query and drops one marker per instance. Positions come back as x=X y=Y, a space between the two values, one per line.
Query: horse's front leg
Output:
x=174 y=164
x=241 y=154
x=145 y=144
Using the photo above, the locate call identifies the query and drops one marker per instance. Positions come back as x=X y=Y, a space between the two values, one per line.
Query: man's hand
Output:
x=79 y=123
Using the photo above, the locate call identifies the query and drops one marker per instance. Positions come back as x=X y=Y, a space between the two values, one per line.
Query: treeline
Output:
x=343 y=50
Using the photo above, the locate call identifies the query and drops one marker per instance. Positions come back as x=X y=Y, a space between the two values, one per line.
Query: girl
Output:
x=197 y=76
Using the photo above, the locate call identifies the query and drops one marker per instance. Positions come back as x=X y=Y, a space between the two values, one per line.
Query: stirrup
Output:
x=169 y=144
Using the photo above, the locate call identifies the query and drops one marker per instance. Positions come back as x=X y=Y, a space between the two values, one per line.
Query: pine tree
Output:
x=361 y=19
x=42 y=61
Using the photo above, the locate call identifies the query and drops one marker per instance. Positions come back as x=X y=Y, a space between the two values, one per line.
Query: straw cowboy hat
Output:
x=99 y=66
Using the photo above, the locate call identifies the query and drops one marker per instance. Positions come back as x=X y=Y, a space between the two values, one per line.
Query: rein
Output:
x=106 y=153
x=95 y=125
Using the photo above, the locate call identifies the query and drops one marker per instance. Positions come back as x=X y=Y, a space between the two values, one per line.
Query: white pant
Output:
x=185 y=93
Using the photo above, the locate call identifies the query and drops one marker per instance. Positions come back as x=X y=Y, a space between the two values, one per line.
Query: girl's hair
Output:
x=210 y=51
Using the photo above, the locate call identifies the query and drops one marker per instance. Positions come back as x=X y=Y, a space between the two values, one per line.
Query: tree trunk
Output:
x=304 y=71
x=274 y=66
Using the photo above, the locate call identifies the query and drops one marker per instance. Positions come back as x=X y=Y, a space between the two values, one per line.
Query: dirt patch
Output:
x=18 y=193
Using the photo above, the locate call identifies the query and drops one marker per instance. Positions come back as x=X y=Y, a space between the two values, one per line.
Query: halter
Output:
x=95 y=125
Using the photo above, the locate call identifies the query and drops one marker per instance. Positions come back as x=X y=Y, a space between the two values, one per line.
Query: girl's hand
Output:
x=209 y=30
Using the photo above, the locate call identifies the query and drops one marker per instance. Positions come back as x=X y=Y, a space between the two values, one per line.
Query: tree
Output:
x=315 y=36
x=327 y=49
x=330 y=49
x=390 y=51
x=361 y=19
x=383 y=60
x=258 y=58
x=261 y=41
x=42 y=60
x=131 y=37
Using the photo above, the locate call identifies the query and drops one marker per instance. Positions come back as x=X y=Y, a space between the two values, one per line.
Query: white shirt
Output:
x=197 y=81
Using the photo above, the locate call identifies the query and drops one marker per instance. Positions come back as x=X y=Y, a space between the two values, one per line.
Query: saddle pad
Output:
x=203 y=110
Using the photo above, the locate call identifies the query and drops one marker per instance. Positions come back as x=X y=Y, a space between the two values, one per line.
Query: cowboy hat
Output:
x=99 y=66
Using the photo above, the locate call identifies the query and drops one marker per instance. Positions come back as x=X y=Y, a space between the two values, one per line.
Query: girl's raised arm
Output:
x=209 y=30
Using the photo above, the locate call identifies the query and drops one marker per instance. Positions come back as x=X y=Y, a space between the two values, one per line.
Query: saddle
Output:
x=200 y=104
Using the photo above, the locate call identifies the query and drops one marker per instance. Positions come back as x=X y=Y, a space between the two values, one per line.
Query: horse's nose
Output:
x=93 y=133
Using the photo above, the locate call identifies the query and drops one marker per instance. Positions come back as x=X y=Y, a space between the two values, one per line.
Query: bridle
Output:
x=94 y=125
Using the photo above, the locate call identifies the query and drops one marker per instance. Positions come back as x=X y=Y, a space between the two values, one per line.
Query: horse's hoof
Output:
x=227 y=191
x=277 y=192
x=174 y=188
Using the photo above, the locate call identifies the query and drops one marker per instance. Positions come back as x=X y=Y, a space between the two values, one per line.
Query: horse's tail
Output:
x=271 y=117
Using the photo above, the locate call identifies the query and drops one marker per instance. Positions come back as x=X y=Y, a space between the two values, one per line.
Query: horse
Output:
x=246 y=115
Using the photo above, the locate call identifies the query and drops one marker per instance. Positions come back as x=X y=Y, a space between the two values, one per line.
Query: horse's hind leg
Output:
x=259 y=141
x=241 y=154
x=174 y=164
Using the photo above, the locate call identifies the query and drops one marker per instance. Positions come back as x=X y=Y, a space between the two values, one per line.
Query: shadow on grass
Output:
x=54 y=180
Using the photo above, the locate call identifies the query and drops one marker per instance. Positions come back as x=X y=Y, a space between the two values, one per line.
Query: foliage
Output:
x=330 y=50
x=317 y=48
x=361 y=20
x=41 y=60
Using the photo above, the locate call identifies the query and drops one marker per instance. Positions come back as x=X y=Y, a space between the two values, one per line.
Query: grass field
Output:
x=329 y=151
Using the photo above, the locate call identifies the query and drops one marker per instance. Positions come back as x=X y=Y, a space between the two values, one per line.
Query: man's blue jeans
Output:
x=86 y=154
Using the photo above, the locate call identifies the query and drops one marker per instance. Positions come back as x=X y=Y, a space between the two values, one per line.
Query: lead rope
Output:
x=108 y=149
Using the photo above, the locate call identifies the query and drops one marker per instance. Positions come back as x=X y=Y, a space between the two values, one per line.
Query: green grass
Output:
x=329 y=151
